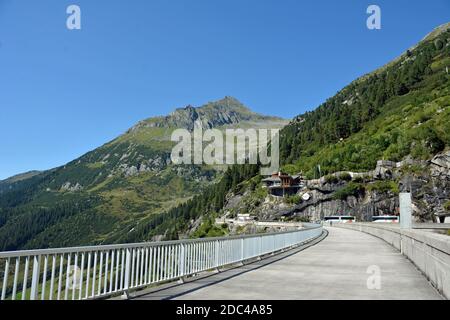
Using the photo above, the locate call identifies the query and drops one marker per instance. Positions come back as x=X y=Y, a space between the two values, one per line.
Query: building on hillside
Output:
x=281 y=184
x=245 y=218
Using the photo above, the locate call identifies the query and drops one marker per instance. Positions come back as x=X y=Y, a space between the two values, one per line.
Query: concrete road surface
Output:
x=345 y=265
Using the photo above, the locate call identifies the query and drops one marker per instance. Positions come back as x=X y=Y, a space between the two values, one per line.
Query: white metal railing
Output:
x=101 y=271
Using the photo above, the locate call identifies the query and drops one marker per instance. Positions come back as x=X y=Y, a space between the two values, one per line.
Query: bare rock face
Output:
x=363 y=207
x=71 y=187
x=440 y=165
x=436 y=192
x=227 y=111
x=383 y=172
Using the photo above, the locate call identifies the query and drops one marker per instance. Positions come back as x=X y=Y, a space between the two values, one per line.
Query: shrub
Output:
x=419 y=151
x=331 y=179
x=345 y=176
x=412 y=169
x=384 y=186
x=351 y=189
x=209 y=230
x=447 y=206
x=359 y=179
x=439 y=44
x=364 y=178
x=295 y=199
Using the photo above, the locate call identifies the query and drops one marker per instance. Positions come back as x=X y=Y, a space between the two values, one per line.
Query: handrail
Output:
x=24 y=253
x=98 y=271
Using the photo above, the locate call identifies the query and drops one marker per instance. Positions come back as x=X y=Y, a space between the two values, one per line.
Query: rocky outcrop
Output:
x=265 y=209
x=228 y=111
x=432 y=190
x=429 y=183
x=141 y=165
x=440 y=166
x=363 y=207
x=194 y=173
x=68 y=186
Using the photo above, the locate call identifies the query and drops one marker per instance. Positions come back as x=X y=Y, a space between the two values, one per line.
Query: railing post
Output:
x=35 y=277
x=5 y=280
x=216 y=253
x=242 y=249
x=127 y=272
x=274 y=244
x=259 y=247
x=182 y=260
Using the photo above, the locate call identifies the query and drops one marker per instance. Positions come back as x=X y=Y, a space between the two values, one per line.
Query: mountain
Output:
x=399 y=113
x=10 y=183
x=107 y=192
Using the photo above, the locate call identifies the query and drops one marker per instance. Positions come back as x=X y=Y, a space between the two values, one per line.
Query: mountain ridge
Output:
x=226 y=111
x=112 y=188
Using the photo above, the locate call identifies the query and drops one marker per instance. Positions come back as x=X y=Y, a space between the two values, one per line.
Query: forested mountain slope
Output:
x=399 y=111
x=107 y=192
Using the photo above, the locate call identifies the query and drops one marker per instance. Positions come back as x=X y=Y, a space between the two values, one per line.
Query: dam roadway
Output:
x=344 y=265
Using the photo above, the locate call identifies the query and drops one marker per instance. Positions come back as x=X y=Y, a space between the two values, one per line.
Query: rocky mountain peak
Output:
x=227 y=111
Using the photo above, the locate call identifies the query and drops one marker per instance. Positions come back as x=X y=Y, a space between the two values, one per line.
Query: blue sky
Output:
x=63 y=93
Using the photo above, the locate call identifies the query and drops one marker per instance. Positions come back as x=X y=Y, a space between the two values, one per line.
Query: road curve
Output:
x=336 y=268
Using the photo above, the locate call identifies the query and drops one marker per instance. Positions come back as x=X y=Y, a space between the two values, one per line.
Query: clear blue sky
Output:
x=63 y=93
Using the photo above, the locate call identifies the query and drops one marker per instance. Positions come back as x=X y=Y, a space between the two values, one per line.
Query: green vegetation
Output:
x=362 y=179
x=331 y=179
x=209 y=230
x=32 y=220
x=447 y=206
x=295 y=199
x=351 y=189
x=95 y=165
x=383 y=187
x=345 y=176
x=412 y=169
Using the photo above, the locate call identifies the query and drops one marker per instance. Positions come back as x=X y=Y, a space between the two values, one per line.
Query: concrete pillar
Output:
x=405 y=210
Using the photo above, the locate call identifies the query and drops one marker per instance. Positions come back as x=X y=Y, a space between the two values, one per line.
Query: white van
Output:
x=386 y=219
x=339 y=219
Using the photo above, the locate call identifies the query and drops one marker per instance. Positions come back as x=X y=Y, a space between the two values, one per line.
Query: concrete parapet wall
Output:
x=429 y=251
